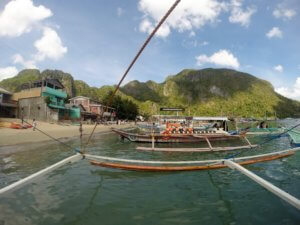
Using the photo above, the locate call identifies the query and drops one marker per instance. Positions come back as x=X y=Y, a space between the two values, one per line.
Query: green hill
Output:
x=213 y=92
x=201 y=92
x=26 y=76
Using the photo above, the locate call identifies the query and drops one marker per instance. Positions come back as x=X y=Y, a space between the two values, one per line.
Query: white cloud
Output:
x=221 y=58
x=204 y=43
x=18 y=59
x=146 y=26
x=282 y=12
x=238 y=15
x=49 y=46
x=274 y=32
x=278 y=68
x=8 y=72
x=192 y=34
x=120 y=11
x=19 y=16
x=293 y=92
x=188 y=15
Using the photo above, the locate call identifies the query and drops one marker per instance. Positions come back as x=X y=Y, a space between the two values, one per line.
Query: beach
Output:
x=12 y=140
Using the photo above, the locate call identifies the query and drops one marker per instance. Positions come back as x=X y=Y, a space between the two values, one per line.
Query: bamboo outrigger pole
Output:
x=24 y=181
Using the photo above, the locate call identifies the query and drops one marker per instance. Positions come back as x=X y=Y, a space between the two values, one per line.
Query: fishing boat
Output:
x=294 y=137
x=188 y=137
x=184 y=130
x=266 y=131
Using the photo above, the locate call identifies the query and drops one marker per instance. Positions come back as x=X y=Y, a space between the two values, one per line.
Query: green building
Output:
x=44 y=100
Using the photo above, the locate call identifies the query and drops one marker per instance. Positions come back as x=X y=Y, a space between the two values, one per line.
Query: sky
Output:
x=96 y=40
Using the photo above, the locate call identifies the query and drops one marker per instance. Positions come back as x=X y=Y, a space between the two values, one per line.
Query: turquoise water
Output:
x=84 y=194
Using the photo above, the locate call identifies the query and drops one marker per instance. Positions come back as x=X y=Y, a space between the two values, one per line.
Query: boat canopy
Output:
x=189 y=118
x=198 y=118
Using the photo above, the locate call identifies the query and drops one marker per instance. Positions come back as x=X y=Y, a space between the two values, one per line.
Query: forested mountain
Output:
x=201 y=92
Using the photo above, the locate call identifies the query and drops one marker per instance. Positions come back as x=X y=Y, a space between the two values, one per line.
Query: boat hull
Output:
x=221 y=165
x=174 y=138
x=265 y=131
x=294 y=137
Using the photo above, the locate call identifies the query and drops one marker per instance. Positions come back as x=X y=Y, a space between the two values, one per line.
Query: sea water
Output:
x=80 y=193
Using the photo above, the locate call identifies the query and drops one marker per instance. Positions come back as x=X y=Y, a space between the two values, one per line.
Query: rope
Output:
x=263 y=143
x=130 y=66
x=53 y=138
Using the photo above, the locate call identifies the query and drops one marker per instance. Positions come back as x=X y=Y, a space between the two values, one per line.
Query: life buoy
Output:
x=132 y=138
x=166 y=131
x=16 y=126
x=167 y=137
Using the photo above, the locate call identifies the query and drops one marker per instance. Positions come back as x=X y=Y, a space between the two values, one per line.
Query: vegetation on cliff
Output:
x=201 y=92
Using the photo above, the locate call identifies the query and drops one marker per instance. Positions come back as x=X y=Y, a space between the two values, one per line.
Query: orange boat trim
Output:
x=185 y=168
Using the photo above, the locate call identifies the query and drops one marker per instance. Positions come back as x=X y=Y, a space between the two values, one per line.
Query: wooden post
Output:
x=270 y=187
x=80 y=131
x=208 y=142
x=152 y=141
x=29 y=116
x=249 y=143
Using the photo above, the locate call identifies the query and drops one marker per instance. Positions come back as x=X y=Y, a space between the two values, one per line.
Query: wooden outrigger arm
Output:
x=209 y=149
x=270 y=187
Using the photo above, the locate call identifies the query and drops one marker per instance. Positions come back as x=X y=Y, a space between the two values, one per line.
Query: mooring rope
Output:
x=53 y=138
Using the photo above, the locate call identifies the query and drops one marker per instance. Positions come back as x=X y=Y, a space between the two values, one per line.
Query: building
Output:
x=44 y=100
x=91 y=109
x=8 y=107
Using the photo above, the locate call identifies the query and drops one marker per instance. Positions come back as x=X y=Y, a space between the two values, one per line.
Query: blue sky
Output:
x=96 y=40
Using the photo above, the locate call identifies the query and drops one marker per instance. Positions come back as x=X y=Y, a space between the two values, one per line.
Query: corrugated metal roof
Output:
x=79 y=97
x=2 y=90
x=210 y=118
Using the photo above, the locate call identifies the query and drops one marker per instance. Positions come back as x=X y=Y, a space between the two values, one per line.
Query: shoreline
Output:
x=16 y=140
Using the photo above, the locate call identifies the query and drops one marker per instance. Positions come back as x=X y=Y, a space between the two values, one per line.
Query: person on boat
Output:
x=34 y=124
x=263 y=124
x=217 y=125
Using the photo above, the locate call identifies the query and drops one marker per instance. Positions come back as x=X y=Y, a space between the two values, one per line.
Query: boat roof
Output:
x=2 y=90
x=197 y=118
x=203 y=118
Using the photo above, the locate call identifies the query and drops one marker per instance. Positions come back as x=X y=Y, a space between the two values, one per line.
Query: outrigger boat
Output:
x=196 y=129
x=207 y=129
x=213 y=135
x=264 y=129
x=294 y=137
